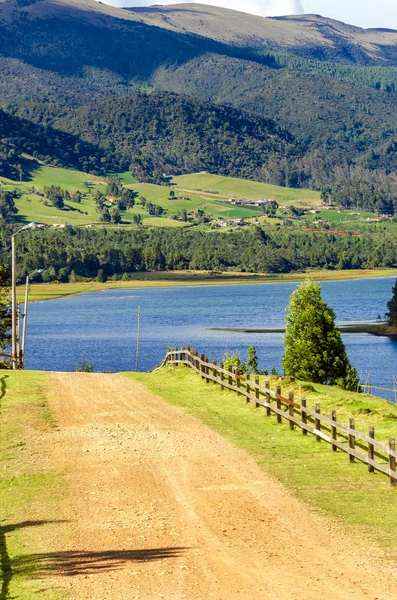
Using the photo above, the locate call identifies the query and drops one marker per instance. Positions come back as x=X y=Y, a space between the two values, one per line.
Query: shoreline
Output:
x=52 y=291
x=379 y=330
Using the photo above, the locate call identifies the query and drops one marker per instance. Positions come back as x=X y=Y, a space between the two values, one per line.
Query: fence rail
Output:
x=357 y=445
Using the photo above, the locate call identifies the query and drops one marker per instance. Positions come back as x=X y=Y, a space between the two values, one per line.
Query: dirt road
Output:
x=159 y=506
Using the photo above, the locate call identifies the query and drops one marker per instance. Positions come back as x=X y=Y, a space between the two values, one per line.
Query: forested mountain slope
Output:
x=19 y=136
x=167 y=133
x=344 y=119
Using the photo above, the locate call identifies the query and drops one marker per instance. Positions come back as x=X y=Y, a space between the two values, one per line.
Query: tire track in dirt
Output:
x=160 y=506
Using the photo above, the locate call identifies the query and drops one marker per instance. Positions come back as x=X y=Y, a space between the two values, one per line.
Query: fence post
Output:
x=214 y=370
x=317 y=422
x=257 y=390
x=371 y=449
x=333 y=430
x=247 y=386
x=268 y=398
x=206 y=369
x=230 y=378
x=352 y=439
x=304 y=414
x=202 y=367
x=278 y=393
x=182 y=355
x=238 y=382
x=291 y=410
x=392 y=461
x=221 y=375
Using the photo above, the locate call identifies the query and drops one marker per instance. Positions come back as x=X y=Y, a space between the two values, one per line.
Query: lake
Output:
x=103 y=326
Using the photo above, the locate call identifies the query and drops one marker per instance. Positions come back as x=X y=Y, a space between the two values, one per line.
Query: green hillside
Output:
x=32 y=208
x=242 y=188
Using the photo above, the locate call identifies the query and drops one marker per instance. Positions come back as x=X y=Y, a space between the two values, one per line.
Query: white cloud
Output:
x=263 y=8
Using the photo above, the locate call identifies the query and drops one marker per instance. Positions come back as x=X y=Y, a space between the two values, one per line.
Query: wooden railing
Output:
x=357 y=445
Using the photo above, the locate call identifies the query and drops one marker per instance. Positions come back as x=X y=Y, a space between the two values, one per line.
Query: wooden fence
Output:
x=357 y=445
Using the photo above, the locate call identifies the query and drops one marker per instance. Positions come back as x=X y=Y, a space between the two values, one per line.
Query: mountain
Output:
x=311 y=36
x=84 y=68
x=76 y=49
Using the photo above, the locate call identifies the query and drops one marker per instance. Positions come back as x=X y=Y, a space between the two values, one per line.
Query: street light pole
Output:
x=25 y=320
x=14 y=358
x=13 y=305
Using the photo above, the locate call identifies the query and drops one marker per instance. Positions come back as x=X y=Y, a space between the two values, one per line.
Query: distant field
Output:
x=160 y=195
x=335 y=216
x=66 y=178
x=164 y=222
x=242 y=188
x=31 y=207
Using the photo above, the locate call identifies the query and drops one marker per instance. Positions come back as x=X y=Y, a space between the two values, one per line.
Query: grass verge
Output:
x=29 y=491
x=311 y=470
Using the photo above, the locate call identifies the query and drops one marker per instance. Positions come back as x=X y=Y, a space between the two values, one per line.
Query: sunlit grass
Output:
x=28 y=494
x=242 y=188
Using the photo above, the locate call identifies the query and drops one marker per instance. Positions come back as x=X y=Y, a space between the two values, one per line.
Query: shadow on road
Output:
x=72 y=563
x=68 y=563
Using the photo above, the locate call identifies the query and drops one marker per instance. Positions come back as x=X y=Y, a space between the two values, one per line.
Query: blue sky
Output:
x=366 y=13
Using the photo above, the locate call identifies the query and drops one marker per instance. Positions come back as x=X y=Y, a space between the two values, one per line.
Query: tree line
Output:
x=62 y=253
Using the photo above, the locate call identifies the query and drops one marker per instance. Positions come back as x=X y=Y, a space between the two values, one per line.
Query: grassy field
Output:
x=311 y=470
x=191 y=202
x=242 y=188
x=31 y=207
x=337 y=217
x=28 y=492
x=51 y=291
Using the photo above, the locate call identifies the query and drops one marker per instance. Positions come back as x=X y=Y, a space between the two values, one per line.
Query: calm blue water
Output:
x=103 y=325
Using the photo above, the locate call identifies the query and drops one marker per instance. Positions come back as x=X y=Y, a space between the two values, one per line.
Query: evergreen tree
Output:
x=391 y=315
x=115 y=216
x=252 y=359
x=114 y=186
x=314 y=350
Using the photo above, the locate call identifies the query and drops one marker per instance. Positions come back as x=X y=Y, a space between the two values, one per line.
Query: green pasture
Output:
x=191 y=202
x=127 y=178
x=164 y=222
x=242 y=188
x=340 y=216
x=68 y=179
x=317 y=475
x=31 y=208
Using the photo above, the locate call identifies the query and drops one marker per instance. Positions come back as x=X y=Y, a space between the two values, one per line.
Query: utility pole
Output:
x=13 y=306
x=25 y=320
x=138 y=339
x=14 y=357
